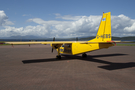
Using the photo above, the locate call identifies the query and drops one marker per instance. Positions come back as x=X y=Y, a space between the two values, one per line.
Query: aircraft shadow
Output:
x=109 y=66
x=43 y=60
x=115 y=66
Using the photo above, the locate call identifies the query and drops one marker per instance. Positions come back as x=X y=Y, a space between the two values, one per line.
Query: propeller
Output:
x=52 y=47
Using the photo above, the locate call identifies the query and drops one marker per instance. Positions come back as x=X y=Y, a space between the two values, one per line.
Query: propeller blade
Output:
x=76 y=38
x=54 y=39
x=52 y=50
x=52 y=47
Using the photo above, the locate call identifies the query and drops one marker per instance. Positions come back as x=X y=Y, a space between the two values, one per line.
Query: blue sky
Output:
x=56 y=17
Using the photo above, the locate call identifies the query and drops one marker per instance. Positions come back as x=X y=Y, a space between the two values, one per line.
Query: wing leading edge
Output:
x=54 y=42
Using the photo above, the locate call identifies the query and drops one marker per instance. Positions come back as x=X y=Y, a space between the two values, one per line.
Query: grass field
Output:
x=128 y=44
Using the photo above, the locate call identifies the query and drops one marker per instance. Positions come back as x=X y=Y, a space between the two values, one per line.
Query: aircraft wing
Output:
x=108 y=42
x=62 y=42
x=47 y=42
x=96 y=42
x=52 y=42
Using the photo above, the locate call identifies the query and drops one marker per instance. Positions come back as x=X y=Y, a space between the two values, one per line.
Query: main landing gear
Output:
x=84 y=55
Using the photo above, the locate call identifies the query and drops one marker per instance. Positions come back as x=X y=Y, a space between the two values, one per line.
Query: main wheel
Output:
x=58 y=56
x=84 y=55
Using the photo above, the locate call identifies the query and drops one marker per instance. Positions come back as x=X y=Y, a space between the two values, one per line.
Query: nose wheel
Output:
x=58 y=56
x=84 y=55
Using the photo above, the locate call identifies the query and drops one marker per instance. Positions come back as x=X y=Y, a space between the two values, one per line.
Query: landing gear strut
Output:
x=84 y=55
x=58 y=56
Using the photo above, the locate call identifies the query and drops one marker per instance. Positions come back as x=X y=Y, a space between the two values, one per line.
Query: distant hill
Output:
x=38 y=38
x=124 y=38
x=113 y=38
x=22 y=37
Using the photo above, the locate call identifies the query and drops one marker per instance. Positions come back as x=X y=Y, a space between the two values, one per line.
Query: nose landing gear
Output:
x=84 y=55
x=58 y=56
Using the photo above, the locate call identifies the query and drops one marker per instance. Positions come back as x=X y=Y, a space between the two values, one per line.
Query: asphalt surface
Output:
x=36 y=68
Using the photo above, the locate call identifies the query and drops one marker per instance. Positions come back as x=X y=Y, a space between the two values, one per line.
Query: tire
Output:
x=84 y=55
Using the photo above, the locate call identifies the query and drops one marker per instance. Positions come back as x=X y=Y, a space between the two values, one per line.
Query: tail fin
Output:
x=104 y=31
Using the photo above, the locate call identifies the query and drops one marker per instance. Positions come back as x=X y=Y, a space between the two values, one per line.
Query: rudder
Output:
x=104 y=31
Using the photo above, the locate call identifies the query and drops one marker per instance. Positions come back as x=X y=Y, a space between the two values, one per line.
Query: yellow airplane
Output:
x=102 y=40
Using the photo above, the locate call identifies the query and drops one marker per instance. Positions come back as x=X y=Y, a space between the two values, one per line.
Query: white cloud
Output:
x=10 y=31
x=130 y=28
x=4 y=19
x=71 y=26
x=122 y=26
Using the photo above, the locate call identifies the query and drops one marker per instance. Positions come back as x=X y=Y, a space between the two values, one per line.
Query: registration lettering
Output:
x=104 y=36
